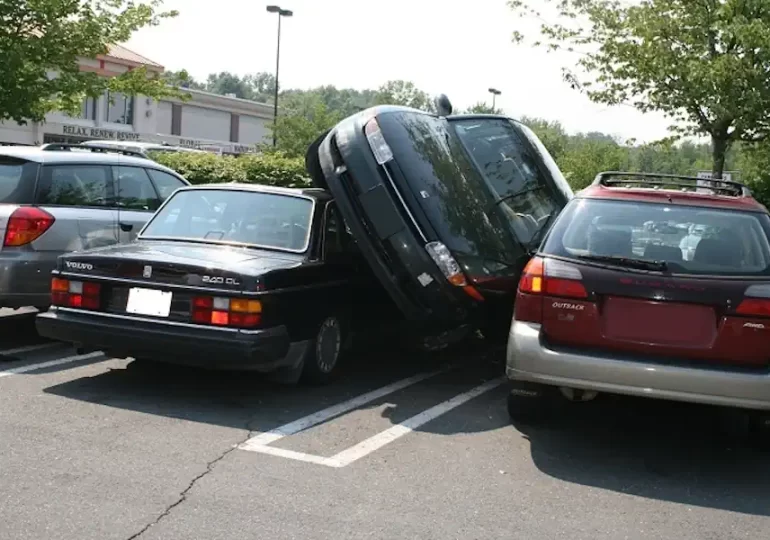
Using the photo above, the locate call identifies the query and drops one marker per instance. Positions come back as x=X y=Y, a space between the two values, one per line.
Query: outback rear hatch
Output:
x=613 y=276
x=174 y=280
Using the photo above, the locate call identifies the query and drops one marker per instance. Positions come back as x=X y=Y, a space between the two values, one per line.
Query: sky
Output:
x=459 y=48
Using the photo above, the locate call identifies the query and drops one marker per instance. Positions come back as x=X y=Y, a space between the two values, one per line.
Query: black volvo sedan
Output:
x=446 y=209
x=226 y=276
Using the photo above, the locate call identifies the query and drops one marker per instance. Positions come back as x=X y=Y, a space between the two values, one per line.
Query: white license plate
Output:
x=148 y=302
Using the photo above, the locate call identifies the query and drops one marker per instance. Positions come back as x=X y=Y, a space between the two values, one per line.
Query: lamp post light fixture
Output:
x=495 y=92
x=281 y=14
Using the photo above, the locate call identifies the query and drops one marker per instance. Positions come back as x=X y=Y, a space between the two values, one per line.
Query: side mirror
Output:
x=443 y=105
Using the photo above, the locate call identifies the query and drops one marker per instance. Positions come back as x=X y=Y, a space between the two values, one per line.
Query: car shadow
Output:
x=251 y=400
x=688 y=454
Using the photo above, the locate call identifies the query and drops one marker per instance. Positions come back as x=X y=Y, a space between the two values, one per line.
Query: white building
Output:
x=205 y=120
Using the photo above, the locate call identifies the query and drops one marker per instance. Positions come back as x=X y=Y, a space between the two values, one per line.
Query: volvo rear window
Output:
x=687 y=239
x=222 y=216
x=17 y=180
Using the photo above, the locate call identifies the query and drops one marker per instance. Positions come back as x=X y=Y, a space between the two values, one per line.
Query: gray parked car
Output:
x=58 y=198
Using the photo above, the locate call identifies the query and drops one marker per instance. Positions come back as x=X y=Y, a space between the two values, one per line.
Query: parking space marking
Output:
x=30 y=348
x=375 y=442
x=335 y=410
x=50 y=363
x=364 y=448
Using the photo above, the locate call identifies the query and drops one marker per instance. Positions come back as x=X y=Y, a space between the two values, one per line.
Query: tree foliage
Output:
x=704 y=63
x=41 y=41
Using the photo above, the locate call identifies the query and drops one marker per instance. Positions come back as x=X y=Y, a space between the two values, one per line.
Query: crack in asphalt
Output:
x=183 y=494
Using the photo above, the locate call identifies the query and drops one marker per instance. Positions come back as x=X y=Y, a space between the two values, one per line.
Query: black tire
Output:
x=322 y=358
x=530 y=403
x=759 y=429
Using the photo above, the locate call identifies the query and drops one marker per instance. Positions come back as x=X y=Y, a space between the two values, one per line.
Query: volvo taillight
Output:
x=222 y=311
x=26 y=224
x=77 y=294
x=546 y=278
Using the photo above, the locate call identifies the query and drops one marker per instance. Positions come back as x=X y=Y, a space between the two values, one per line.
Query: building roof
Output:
x=124 y=55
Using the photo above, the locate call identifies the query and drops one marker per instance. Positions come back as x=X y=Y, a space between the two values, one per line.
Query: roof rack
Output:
x=106 y=149
x=660 y=180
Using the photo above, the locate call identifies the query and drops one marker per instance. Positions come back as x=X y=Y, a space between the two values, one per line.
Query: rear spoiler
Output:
x=658 y=180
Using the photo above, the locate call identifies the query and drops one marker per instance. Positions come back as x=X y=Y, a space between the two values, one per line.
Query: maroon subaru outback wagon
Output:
x=647 y=285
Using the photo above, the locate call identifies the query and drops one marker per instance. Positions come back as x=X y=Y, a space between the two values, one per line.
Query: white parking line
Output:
x=335 y=410
x=364 y=448
x=30 y=348
x=354 y=453
x=51 y=363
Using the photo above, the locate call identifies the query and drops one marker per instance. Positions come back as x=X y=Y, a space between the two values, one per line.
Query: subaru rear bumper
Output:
x=530 y=359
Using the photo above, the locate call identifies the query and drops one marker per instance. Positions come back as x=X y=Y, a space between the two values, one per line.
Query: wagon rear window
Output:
x=221 y=216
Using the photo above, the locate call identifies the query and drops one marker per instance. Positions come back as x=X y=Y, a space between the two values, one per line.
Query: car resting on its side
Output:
x=616 y=302
x=445 y=209
x=225 y=276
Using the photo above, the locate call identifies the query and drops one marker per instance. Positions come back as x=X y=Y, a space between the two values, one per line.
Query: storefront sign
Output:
x=100 y=133
x=189 y=143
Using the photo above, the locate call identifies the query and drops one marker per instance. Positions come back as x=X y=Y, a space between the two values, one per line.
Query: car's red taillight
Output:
x=221 y=311
x=78 y=294
x=551 y=278
x=25 y=225
x=756 y=302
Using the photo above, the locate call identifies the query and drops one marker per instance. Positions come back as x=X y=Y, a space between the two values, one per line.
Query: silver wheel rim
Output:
x=327 y=346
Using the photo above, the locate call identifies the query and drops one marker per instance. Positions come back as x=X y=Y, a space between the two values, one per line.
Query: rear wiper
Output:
x=629 y=262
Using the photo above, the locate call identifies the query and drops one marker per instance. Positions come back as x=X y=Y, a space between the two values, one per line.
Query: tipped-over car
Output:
x=225 y=276
x=445 y=209
x=615 y=301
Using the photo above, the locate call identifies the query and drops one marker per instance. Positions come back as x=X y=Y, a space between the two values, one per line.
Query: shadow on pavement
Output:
x=243 y=399
x=688 y=454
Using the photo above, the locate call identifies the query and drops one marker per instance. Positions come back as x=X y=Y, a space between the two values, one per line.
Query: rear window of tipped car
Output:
x=689 y=239
x=237 y=217
x=17 y=180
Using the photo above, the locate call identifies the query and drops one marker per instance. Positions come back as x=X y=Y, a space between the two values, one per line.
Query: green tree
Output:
x=404 y=93
x=482 y=108
x=40 y=43
x=703 y=63
x=303 y=119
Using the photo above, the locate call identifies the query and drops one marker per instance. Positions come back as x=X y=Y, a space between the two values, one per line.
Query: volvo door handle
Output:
x=126 y=227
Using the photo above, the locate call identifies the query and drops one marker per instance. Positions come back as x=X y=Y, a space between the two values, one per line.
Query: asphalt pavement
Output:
x=401 y=446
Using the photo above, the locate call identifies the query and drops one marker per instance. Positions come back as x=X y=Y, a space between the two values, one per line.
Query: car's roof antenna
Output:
x=443 y=105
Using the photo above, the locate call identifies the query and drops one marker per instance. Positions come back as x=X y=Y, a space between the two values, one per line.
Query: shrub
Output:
x=268 y=168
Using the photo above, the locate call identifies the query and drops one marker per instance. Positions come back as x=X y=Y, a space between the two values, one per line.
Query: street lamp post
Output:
x=281 y=13
x=495 y=92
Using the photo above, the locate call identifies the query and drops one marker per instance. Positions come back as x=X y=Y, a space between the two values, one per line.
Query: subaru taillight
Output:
x=77 y=294
x=451 y=268
x=546 y=277
x=756 y=302
x=222 y=311
x=26 y=224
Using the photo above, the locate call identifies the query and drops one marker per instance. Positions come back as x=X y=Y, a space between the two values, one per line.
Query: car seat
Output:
x=660 y=252
x=609 y=242
x=717 y=251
